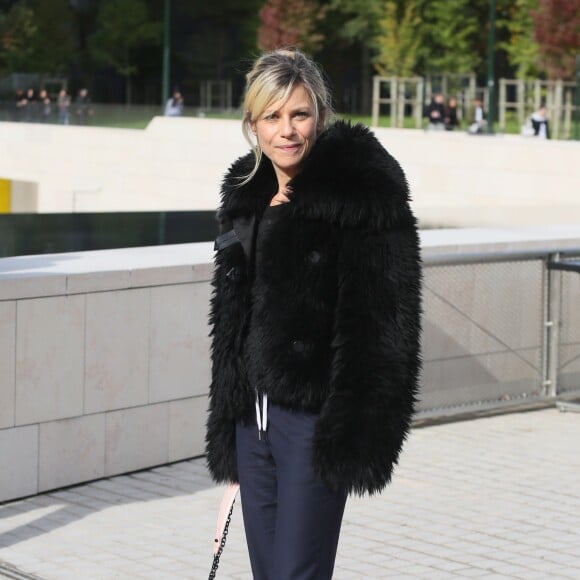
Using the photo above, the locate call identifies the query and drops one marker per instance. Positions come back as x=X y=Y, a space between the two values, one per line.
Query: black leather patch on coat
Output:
x=225 y=240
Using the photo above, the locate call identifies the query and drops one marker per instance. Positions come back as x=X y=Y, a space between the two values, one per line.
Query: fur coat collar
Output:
x=348 y=179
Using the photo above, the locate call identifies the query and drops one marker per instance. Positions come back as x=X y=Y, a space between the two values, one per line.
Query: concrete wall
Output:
x=176 y=164
x=18 y=196
x=104 y=364
x=104 y=361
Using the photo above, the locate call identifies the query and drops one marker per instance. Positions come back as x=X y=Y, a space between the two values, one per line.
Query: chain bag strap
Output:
x=228 y=501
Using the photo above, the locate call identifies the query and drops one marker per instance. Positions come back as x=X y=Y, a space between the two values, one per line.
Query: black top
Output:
x=269 y=220
x=271 y=216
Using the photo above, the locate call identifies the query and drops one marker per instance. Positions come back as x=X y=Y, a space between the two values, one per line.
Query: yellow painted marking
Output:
x=5 y=201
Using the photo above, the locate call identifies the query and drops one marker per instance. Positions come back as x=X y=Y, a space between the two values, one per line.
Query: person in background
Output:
x=540 y=124
x=63 y=104
x=83 y=107
x=174 y=105
x=451 y=115
x=436 y=113
x=19 y=105
x=479 y=123
x=315 y=320
x=45 y=106
x=30 y=106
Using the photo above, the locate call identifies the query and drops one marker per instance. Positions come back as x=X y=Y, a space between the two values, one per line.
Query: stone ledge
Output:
x=104 y=270
x=545 y=239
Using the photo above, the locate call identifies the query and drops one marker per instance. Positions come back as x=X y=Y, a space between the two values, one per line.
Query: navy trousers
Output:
x=292 y=519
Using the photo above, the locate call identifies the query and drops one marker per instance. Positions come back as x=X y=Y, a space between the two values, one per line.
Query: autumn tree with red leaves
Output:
x=557 y=31
x=290 y=23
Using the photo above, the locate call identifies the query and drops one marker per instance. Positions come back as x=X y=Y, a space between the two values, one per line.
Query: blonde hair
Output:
x=272 y=78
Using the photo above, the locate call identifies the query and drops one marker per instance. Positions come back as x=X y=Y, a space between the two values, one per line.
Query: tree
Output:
x=557 y=31
x=521 y=48
x=17 y=32
x=449 y=33
x=213 y=41
x=123 y=26
x=290 y=23
x=53 y=44
x=398 y=42
x=360 y=26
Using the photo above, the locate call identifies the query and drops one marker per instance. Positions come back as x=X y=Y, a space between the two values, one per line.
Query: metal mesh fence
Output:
x=569 y=344
x=483 y=333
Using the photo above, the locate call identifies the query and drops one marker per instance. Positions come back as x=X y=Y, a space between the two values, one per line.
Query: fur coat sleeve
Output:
x=376 y=360
x=225 y=320
x=377 y=317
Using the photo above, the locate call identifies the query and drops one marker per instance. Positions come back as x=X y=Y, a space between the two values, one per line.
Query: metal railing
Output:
x=499 y=329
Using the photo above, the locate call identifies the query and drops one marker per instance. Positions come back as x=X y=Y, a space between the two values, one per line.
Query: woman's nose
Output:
x=287 y=128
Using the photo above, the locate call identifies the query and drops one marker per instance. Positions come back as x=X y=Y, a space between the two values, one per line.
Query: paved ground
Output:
x=497 y=497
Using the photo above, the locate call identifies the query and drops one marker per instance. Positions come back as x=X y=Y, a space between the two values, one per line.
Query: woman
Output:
x=174 y=105
x=451 y=115
x=539 y=121
x=315 y=318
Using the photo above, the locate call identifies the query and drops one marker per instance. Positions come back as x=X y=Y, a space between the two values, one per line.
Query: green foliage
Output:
x=358 y=26
x=449 y=33
x=398 y=42
x=520 y=46
x=122 y=27
x=218 y=39
x=360 y=19
x=53 y=43
x=17 y=32
x=222 y=35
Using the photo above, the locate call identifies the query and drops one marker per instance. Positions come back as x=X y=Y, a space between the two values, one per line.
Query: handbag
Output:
x=527 y=129
x=223 y=524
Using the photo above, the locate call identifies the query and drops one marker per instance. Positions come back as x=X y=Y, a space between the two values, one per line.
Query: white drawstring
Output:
x=264 y=412
x=262 y=418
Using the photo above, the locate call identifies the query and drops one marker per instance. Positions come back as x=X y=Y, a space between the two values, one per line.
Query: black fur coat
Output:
x=336 y=300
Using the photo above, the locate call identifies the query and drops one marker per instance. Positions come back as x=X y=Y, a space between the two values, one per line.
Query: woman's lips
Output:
x=289 y=147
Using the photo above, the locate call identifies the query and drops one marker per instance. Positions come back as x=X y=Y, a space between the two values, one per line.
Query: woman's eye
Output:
x=302 y=114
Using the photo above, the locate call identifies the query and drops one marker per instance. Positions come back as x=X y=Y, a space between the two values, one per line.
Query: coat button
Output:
x=314 y=257
x=298 y=346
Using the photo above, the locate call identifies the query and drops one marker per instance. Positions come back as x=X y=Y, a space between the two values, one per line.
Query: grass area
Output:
x=512 y=125
x=139 y=116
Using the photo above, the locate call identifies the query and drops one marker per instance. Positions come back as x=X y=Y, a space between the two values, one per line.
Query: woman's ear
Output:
x=251 y=124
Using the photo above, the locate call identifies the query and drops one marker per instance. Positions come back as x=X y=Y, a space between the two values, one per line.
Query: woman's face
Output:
x=286 y=131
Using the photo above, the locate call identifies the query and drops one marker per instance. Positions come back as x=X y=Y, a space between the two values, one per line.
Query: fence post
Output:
x=394 y=95
x=557 y=106
x=419 y=103
x=472 y=89
x=502 y=104
x=567 y=114
x=401 y=103
x=376 y=97
x=552 y=329
x=537 y=94
x=521 y=98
